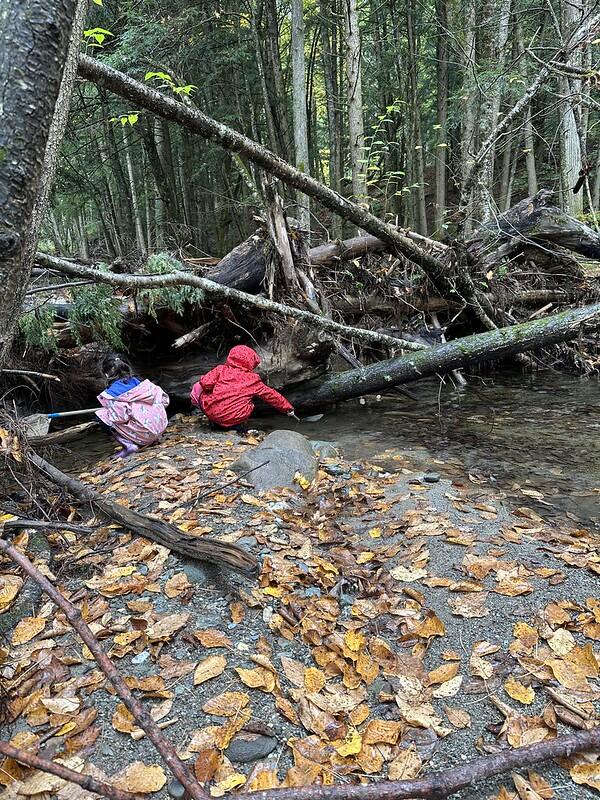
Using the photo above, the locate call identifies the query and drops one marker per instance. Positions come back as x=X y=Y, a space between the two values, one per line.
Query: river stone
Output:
x=325 y=449
x=250 y=747
x=287 y=452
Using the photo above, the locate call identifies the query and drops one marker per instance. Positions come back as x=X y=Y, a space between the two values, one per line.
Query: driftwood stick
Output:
x=447 y=782
x=30 y=373
x=137 y=709
x=85 y=781
x=205 y=549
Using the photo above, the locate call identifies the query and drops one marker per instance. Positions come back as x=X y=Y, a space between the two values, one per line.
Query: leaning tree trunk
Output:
x=34 y=40
x=489 y=346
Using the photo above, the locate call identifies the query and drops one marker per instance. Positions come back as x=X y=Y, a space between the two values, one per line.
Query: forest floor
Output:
x=401 y=623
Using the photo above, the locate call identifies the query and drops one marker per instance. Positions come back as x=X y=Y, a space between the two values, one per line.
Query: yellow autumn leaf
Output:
x=138 y=777
x=518 y=691
x=375 y=533
x=209 y=668
x=301 y=480
x=26 y=629
x=350 y=745
x=365 y=557
x=406 y=765
x=314 y=679
x=586 y=774
x=227 y=704
x=354 y=640
x=10 y=586
x=227 y=784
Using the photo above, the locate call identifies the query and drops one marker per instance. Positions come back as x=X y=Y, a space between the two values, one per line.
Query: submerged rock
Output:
x=286 y=453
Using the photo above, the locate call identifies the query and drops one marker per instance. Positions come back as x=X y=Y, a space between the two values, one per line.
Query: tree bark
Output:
x=299 y=107
x=460 y=353
x=328 y=58
x=441 y=65
x=570 y=142
x=137 y=212
x=34 y=42
x=356 y=130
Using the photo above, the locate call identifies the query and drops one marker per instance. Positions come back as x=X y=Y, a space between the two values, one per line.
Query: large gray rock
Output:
x=287 y=452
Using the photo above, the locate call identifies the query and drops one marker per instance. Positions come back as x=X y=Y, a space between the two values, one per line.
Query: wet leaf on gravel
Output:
x=209 y=668
x=518 y=691
x=139 y=777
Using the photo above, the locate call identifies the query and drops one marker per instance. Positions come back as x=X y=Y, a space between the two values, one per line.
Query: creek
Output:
x=536 y=438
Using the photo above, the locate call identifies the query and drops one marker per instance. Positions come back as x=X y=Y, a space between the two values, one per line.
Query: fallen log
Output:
x=204 y=549
x=534 y=220
x=62 y=437
x=457 y=354
x=178 y=278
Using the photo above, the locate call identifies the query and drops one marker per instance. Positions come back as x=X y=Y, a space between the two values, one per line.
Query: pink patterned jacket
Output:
x=139 y=414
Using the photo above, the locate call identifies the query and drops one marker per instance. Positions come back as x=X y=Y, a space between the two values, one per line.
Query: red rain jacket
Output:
x=225 y=394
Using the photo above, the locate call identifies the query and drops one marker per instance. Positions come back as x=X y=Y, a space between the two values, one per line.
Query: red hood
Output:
x=242 y=357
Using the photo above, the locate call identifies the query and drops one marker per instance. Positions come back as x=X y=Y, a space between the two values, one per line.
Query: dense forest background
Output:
x=385 y=101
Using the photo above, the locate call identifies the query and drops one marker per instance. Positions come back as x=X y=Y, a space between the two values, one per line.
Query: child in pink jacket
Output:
x=134 y=411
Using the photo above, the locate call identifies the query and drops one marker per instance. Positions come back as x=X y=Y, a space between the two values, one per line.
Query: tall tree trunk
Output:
x=468 y=145
x=356 y=130
x=30 y=82
x=570 y=142
x=278 y=93
x=441 y=13
x=498 y=14
x=137 y=211
x=328 y=57
x=532 y=184
x=416 y=149
x=299 y=107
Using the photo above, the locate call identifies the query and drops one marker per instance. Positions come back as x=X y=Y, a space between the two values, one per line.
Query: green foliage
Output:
x=167 y=82
x=96 y=308
x=174 y=298
x=129 y=118
x=36 y=328
x=95 y=37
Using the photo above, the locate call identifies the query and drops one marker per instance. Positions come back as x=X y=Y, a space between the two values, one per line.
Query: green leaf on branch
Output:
x=161 y=76
x=191 y=87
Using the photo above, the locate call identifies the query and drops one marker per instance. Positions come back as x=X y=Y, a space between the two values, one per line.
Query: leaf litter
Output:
x=362 y=650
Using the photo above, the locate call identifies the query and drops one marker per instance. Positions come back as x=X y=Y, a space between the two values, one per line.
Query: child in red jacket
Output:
x=226 y=393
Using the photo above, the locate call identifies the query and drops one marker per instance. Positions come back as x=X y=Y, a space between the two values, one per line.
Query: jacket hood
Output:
x=242 y=357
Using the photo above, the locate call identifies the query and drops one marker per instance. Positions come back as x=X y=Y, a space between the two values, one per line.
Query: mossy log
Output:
x=489 y=346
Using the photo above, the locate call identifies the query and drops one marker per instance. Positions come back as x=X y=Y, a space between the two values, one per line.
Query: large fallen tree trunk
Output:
x=489 y=346
x=219 y=290
x=533 y=221
x=204 y=549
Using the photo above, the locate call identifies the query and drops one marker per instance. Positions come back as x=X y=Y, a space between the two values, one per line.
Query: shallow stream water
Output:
x=528 y=436
x=540 y=433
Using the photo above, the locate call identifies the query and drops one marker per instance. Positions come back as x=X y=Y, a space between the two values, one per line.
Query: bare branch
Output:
x=137 y=709
x=85 y=781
